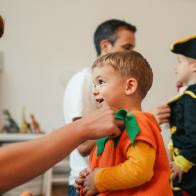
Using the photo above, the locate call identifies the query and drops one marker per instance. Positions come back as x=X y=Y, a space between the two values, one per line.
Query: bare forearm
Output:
x=23 y=161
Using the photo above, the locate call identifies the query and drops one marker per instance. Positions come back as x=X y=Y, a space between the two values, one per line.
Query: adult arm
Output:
x=86 y=147
x=24 y=161
x=78 y=101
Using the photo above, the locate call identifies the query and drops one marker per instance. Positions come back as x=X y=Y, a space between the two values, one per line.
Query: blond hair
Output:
x=129 y=64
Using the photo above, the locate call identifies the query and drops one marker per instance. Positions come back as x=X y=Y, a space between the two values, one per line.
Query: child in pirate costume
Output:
x=183 y=120
x=135 y=163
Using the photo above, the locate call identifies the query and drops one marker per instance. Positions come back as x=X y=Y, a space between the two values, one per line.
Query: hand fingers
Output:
x=163 y=115
x=78 y=187
x=88 y=170
x=174 y=174
x=79 y=181
x=171 y=167
x=164 y=107
x=163 y=118
x=162 y=110
x=171 y=170
x=85 y=172
x=180 y=177
x=84 y=191
x=120 y=124
x=163 y=121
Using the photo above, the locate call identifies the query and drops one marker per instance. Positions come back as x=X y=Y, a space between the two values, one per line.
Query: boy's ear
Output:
x=194 y=65
x=105 y=46
x=131 y=86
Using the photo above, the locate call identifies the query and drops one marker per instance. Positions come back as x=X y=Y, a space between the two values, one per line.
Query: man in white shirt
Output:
x=110 y=36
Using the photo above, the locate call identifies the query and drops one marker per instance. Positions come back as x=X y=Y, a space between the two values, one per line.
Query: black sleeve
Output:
x=189 y=147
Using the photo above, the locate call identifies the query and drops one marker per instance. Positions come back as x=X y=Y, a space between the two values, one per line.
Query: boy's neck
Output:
x=192 y=80
x=133 y=105
x=133 y=109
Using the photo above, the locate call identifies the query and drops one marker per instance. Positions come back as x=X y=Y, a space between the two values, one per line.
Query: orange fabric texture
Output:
x=113 y=156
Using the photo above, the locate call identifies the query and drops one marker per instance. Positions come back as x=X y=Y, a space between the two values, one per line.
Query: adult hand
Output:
x=101 y=123
x=176 y=172
x=162 y=114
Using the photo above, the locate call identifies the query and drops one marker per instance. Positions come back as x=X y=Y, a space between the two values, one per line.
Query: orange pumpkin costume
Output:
x=113 y=157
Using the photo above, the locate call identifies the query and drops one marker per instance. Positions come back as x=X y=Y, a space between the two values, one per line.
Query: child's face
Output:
x=183 y=69
x=109 y=86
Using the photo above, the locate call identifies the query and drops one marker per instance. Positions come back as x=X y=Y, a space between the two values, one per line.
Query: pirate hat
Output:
x=186 y=47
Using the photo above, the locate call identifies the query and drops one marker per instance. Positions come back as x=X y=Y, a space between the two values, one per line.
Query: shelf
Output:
x=56 y=175
x=17 y=137
x=36 y=185
x=59 y=179
x=60 y=172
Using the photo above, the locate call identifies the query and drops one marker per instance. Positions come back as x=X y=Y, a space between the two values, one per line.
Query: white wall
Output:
x=46 y=41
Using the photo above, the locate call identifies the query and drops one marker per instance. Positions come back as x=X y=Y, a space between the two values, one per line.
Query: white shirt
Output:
x=78 y=101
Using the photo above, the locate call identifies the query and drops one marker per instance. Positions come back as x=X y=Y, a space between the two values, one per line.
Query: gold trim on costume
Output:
x=171 y=149
x=177 y=151
x=192 y=94
x=171 y=145
x=187 y=92
x=175 y=99
x=182 y=41
x=173 y=129
x=183 y=163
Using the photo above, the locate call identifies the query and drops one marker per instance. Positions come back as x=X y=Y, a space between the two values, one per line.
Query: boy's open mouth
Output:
x=99 y=100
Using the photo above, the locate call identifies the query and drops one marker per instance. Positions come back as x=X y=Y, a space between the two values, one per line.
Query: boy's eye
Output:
x=100 y=82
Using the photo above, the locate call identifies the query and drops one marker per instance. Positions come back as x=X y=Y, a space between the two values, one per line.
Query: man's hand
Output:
x=89 y=184
x=101 y=123
x=162 y=114
x=79 y=182
x=86 y=147
x=176 y=172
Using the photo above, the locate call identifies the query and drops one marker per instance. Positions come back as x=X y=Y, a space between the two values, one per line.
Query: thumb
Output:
x=116 y=132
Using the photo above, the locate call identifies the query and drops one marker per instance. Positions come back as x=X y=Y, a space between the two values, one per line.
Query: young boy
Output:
x=136 y=162
x=183 y=120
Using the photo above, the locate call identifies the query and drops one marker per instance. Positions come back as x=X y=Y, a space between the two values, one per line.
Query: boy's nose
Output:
x=95 y=91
